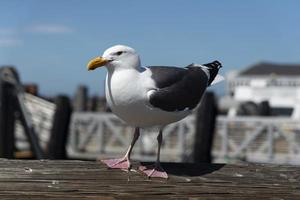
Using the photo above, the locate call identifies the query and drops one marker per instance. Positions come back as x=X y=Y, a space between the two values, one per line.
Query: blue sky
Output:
x=50 y=42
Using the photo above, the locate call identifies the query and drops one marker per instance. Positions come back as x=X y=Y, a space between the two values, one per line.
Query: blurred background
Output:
x=52 y=107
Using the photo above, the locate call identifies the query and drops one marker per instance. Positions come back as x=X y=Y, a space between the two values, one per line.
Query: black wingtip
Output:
x=213 y=68
x=214 y=64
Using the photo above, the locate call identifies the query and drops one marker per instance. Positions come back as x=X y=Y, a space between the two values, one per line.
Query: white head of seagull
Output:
x=117 y=57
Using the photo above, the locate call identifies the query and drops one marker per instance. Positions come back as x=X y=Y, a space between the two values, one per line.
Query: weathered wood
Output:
x=80 y=100
x=60 y=128
x=205 y=125
x=7 y=120
x=11 y=101
x=45 y=179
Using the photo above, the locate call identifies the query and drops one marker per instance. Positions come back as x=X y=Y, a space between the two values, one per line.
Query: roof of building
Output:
x=265 y=68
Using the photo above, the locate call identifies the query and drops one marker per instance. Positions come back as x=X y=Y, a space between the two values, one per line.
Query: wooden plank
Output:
x=59 y=179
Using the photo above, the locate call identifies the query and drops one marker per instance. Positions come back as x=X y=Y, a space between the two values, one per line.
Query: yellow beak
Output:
x=96 y=62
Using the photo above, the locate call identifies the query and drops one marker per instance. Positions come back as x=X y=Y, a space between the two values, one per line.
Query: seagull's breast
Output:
x=126 y=94
x=121 y=89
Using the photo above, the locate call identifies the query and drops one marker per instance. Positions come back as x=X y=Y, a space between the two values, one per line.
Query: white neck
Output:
x=112 y=69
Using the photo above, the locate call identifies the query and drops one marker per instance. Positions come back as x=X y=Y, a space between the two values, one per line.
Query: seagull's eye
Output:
x=119 y=53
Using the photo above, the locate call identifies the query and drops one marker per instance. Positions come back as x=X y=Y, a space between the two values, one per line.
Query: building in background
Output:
x=277 y=84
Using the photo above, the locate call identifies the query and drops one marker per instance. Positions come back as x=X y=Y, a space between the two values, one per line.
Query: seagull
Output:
x=152 y=96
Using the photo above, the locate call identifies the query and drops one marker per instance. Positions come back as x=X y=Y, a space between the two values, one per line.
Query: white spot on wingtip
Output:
x=150 y=92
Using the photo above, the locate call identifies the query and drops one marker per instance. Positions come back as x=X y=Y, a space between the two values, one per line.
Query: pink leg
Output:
x=155 y=170
x=123 y=163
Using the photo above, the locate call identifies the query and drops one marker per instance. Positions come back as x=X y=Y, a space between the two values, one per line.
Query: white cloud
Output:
x=9 y=36
x=50 y=29
x=10 y=42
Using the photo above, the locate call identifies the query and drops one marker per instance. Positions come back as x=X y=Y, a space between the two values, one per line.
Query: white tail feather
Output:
x=218 y=79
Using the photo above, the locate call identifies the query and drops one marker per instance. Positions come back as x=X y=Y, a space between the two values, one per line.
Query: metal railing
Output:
x=257 y=139
x=99 y=135
x=252 y=139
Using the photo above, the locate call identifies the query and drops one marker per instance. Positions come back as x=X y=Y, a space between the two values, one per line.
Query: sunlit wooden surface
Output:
x=30 y=179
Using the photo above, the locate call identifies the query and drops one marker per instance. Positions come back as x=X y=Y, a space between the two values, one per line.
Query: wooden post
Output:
x=60 y=128
x=205 y=124
x=12 y=95
x=80 y=100
x=7 y=119
x=93 y=104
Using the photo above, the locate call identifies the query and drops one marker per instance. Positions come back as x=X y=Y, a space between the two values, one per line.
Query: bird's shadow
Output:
x=189 y=169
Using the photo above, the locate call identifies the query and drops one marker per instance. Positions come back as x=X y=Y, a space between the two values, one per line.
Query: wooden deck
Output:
x=45 y=179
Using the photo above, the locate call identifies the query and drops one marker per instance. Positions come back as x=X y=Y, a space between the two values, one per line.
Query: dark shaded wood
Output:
x=9 y=78
x=60 y=128
x=30 y=179
x=7 y=120
x=205 y=125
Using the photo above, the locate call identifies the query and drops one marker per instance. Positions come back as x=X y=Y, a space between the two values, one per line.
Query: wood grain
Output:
x=69 y=179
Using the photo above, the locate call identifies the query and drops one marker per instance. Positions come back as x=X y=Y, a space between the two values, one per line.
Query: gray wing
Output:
x=178 y=88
